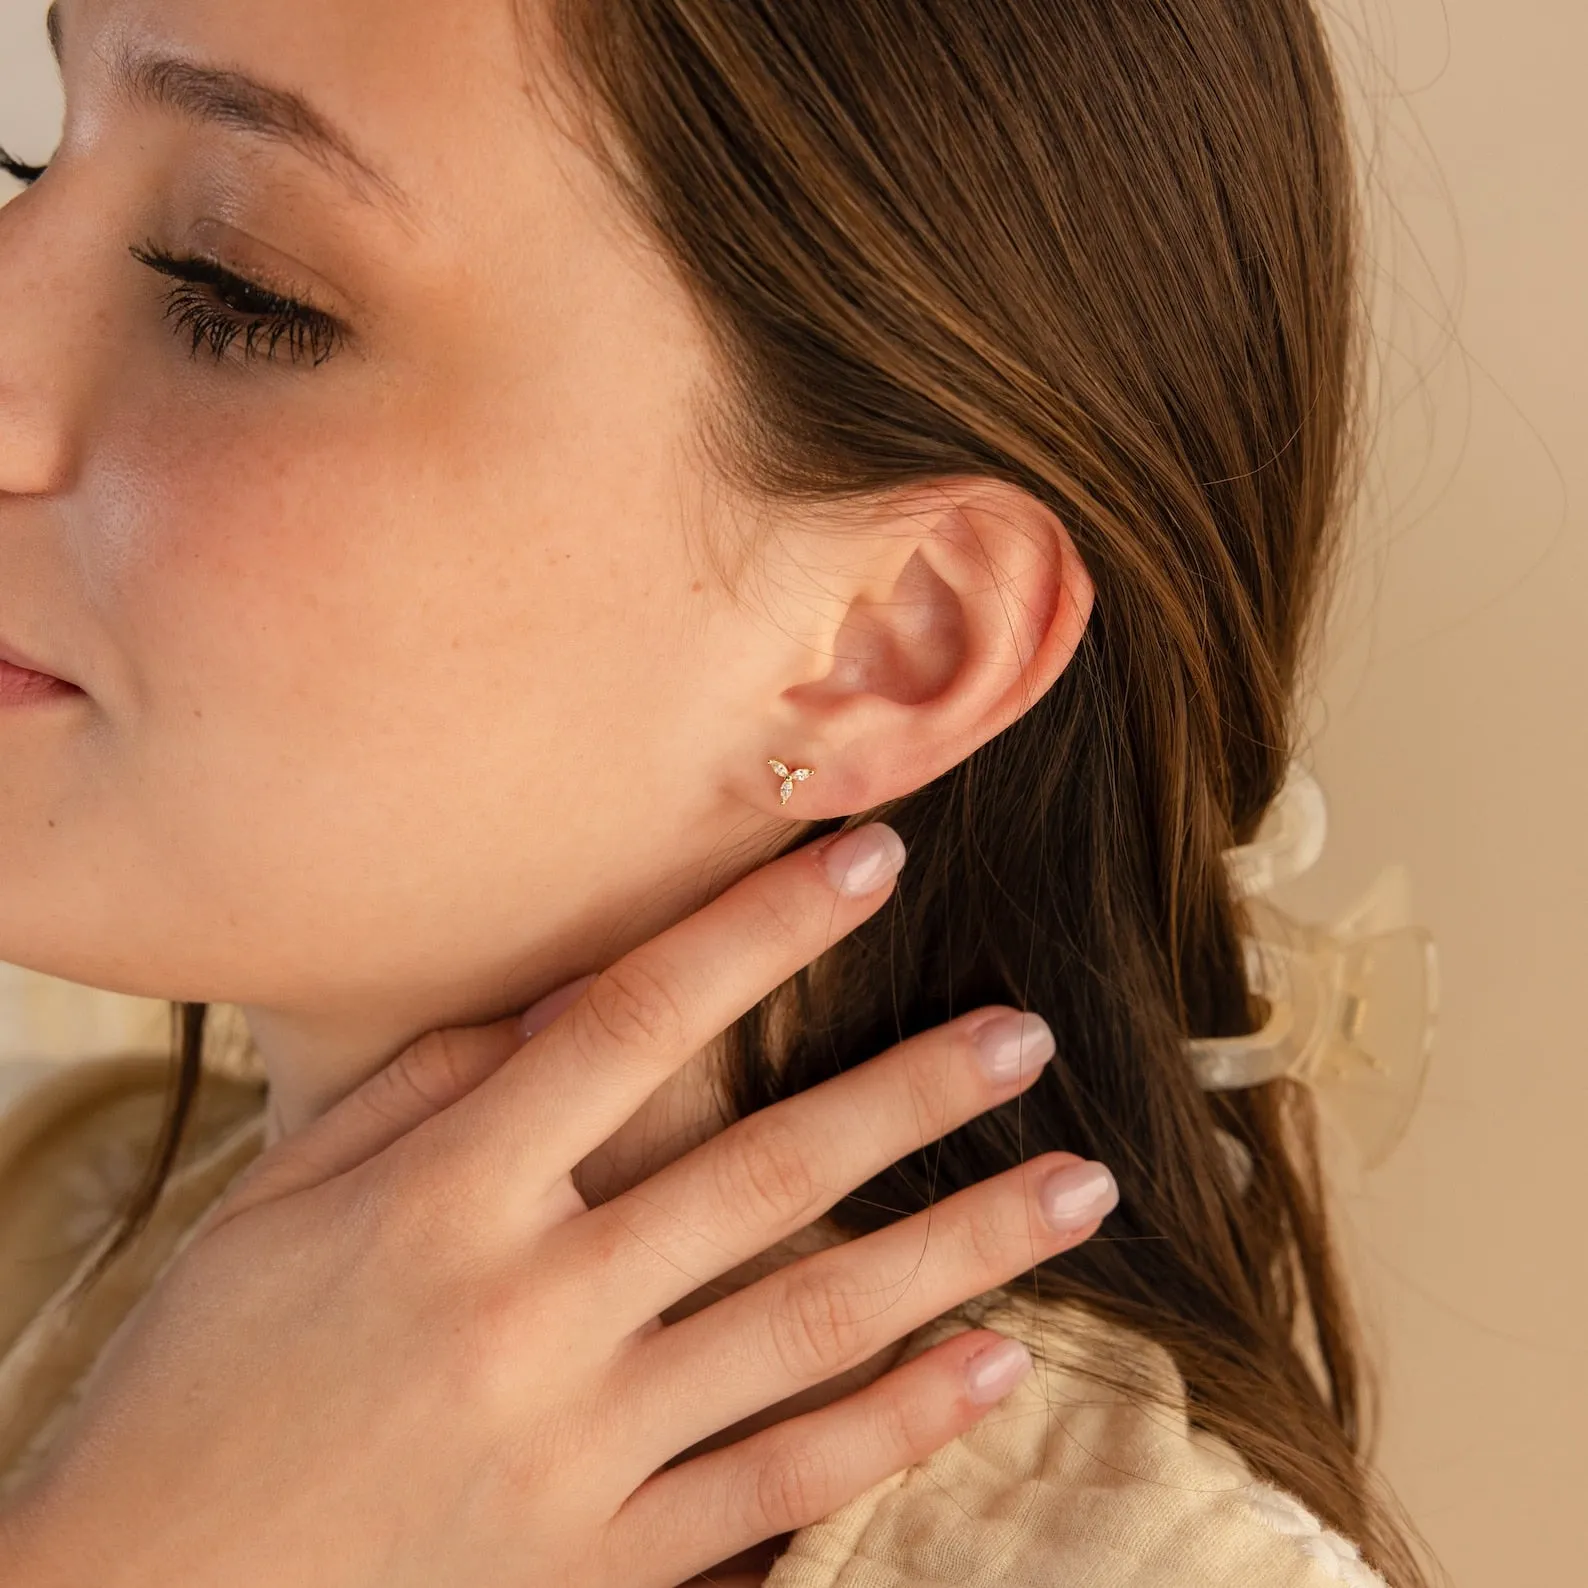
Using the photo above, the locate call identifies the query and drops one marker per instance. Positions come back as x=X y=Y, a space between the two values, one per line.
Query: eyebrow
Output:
x=240 y=103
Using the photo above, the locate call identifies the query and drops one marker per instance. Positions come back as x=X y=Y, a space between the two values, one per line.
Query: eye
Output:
x=218 y=310
x=23 y=172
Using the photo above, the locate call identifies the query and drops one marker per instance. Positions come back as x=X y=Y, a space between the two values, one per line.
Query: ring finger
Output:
x=827 y=1313
x=771 y=1174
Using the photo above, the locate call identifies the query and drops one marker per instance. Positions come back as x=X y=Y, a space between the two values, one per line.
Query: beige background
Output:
x=1449 y=733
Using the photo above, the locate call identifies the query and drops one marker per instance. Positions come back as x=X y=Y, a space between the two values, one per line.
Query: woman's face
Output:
x=409 y=690
x=399 y=665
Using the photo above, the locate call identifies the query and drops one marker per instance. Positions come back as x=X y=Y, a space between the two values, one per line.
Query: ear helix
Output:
x=798 y=775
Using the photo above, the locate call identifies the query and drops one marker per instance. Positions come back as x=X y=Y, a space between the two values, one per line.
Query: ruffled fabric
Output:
x=1340 y=1559
x=1070 y=1483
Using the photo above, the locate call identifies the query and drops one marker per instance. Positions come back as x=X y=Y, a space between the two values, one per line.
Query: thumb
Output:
x=427 y=1077
x=538 y=1016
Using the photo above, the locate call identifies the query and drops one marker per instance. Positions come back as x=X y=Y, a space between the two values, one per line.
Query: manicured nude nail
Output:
x=1012 y=1044
x=991 y=1374
x=543 y=1013
x=1077 y=1195
x=861 y=861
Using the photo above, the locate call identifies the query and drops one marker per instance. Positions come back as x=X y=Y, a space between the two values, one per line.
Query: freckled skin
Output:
x=428 y=678
x=376 y=652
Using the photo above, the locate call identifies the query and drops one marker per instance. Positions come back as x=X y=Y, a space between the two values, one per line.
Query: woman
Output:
x=494 y=485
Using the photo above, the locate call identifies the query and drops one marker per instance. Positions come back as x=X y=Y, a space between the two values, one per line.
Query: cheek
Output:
x=363 y=646
x=363 y=575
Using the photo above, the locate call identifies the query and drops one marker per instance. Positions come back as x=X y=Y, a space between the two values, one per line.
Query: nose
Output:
x=39 y=371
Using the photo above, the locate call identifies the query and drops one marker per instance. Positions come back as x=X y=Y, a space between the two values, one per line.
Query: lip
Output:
x=10 y=654
x=22 y=678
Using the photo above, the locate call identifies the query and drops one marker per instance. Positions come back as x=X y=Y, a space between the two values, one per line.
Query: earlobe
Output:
x=971 y=614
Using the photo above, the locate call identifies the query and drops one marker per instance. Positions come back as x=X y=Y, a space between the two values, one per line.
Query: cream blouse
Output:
x=1066 y=1484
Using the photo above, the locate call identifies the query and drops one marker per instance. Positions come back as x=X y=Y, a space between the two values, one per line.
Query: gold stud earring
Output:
x=798 y=775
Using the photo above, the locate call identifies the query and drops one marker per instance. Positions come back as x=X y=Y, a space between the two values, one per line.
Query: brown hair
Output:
x=1106 y=252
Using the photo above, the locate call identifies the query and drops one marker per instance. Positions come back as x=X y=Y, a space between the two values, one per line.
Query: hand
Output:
x=402 y=1351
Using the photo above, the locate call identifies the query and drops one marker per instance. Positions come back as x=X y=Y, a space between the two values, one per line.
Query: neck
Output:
x=313 y=1062
x=310 y=1069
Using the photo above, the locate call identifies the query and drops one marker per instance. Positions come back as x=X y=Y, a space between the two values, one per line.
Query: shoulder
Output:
x=1071 y=1480
x=75 y=1138
x=74 y=1143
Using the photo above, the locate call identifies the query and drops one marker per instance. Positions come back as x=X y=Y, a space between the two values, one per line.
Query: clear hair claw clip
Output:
x=1352 y=1005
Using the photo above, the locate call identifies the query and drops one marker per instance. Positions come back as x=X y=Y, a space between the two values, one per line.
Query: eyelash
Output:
x=216 y=306
x=24 y=173
x=219 y=309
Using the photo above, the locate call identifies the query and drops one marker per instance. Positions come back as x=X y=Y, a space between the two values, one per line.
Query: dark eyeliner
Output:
x=219 y=309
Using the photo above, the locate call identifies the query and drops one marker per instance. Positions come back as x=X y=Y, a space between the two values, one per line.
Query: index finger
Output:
x=648 y=1013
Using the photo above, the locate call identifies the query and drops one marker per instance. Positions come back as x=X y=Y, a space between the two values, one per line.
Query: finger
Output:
x=648 y=1013
x=801 y=1470
x=423 y=1080
x=540 y=1015
x=769 y=1175
x=827 y=1313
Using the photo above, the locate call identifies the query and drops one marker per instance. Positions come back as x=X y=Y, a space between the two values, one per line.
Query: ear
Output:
x=951 y=617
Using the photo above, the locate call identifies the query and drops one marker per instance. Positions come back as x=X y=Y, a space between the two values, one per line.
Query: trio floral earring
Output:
x=798 y=775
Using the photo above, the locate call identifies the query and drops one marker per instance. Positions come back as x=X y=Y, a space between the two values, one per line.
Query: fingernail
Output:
x=1076 y=1195
x=861 y=861
x=991 y=1374
x=1012 y=1044
x=542 y=1014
